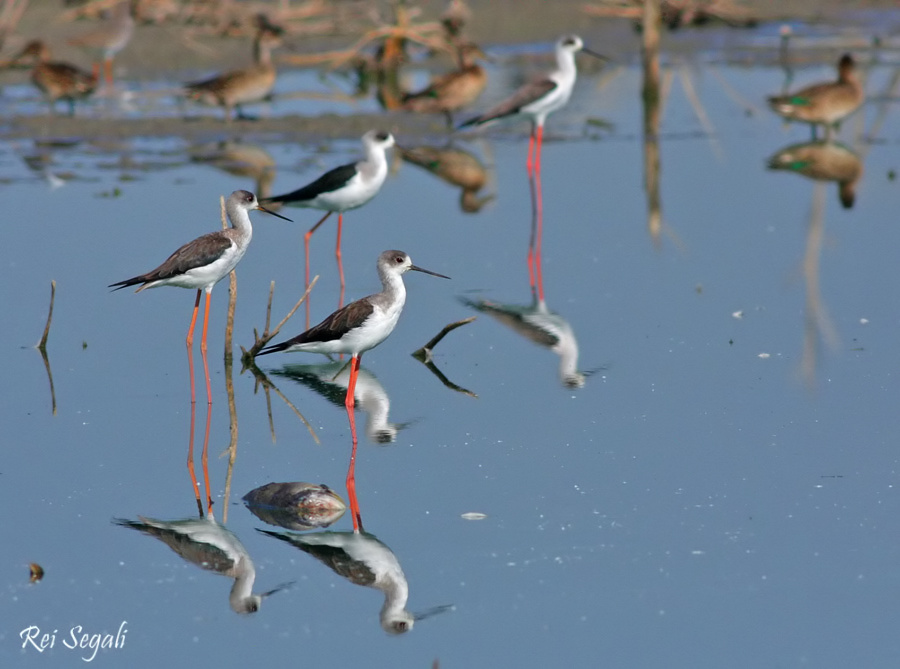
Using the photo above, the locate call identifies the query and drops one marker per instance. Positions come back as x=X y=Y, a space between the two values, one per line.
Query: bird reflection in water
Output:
x=331 y=380
x=203 y=541
x=651 y=98
x=535 y=321
x=363 y=560
x=823 y=161
x=456 y=167
x=542 y=326
x=240 y=159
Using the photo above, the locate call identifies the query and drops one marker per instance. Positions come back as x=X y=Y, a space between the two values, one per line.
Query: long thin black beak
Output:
x=269 y=211
x=434 y=611
x=419 y=269
x=279 y=588
x=594 y=53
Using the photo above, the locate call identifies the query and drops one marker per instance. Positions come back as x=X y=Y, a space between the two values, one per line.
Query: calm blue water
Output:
x=720 y=492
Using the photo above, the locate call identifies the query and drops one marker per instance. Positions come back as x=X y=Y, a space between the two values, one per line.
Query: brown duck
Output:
x=826 y=103
x=56 y=80
x=452 y=91
x=238 y=87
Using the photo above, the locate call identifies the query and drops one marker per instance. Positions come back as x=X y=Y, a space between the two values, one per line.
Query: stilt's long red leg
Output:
x=203 y=349
x=306 y=239
x=190 y=342
x=529 y=162
x=349 y=402
x=538 y=144
x=539 y=202
x=530 y=165
x=107 y=63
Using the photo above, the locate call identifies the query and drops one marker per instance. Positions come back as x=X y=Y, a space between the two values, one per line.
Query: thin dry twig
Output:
x=46 y=360
x=261 y=340
x=424 y=353
x=42 y=344
x=263 y=380
x=232 y=294
x=233 y=432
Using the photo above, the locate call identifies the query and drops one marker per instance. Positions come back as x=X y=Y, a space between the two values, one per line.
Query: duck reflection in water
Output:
x=331 y=380
x=823 y=161
x=240 y=159
x=456 y=167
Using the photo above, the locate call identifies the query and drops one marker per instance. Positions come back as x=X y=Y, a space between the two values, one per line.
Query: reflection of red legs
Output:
x=349 y=402
x=190 y=342
x=306 y=239
x=351 y=483
x=190 y=458
x=203 y=349
x=204 y=459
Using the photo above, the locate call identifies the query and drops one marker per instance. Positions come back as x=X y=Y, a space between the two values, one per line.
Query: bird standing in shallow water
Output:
x=452 y=91
x=110 y=38
x=361 y=325
x=826 y=103
x=55 y=79
x=342 y=189
x=251 y=84
x=538 y=98
x=202 y=263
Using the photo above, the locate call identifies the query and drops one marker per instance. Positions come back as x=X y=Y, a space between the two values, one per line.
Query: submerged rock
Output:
x=295 y=505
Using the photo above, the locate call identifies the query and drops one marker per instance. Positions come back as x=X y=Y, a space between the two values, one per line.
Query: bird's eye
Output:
x=382 y=136
x=398 y=260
